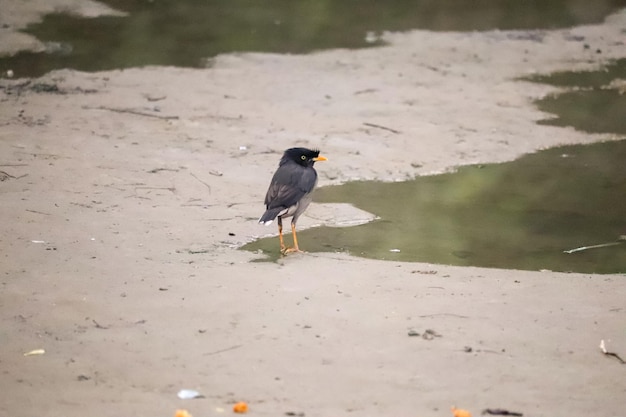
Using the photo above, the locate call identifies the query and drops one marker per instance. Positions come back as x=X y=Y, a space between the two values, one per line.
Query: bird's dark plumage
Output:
x=289 y=193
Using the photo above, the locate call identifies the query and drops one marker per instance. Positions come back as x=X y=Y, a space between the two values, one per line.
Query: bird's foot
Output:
x=286 y=251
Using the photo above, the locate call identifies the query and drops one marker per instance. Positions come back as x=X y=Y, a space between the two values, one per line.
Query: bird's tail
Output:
x=269 y=216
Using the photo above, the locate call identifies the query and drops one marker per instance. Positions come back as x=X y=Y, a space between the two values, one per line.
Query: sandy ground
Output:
x=125 y=195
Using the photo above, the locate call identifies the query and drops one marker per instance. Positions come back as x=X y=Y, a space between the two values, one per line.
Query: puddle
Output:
x=524 y=214
x=593 y=101
x=187 y=32
x=519 y=215
x=584 y=79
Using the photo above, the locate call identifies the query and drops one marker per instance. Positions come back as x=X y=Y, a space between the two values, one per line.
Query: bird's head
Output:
x=302 y=156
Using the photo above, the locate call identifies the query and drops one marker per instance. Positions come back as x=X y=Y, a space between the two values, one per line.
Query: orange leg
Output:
x=280 y=235
x=295 y=241
x=295 y=238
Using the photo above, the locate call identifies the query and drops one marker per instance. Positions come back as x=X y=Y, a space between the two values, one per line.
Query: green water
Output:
x=187 y=32
x=523 y=214
x=590 y=102
x=519 y=215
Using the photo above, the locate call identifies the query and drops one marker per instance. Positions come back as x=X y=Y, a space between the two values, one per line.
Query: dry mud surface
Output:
x=124 y=195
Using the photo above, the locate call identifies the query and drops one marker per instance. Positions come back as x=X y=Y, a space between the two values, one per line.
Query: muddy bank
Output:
x=127 y=193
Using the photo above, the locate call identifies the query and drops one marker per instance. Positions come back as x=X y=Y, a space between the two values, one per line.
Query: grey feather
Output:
x=289 y=191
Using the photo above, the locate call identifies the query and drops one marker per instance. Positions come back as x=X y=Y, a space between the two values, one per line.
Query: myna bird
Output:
x=290 y=191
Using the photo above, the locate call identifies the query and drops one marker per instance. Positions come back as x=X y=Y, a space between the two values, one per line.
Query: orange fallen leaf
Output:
x=240 y=407
x=459 y=412
x=182 y=413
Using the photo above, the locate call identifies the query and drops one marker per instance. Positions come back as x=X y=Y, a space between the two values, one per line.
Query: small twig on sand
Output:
x=5 y=175
x=205 y=184
x=131 y=111
x=38 y=212
x=382 y=127
x=500 y=412
x=99 y=326
x=155 y=170
x=215 y=352
x=606 y=352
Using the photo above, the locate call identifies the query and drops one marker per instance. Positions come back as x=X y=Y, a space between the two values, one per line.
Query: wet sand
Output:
x=126 y=193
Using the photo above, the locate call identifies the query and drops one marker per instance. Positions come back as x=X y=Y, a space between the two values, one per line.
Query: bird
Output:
x=289 y=193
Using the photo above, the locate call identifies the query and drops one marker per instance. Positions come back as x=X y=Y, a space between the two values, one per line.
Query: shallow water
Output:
x=187 y=32
x=595 y=111
x=523 y=214
x=518 y=215
x=593 y=101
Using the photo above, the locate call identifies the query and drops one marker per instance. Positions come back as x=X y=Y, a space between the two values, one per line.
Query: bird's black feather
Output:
x=270 y=214
x=294 y=179
x=290 y=183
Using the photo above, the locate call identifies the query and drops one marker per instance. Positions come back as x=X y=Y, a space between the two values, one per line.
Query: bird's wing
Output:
x=290 y=183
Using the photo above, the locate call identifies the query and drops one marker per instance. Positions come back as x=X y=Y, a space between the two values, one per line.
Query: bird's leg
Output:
x=295 y=241
x=280 y=235
x=295 y=238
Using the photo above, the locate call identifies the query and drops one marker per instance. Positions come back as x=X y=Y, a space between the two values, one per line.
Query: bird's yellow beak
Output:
x=320 y=158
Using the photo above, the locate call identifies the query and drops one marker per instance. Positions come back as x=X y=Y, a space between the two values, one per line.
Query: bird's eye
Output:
x=303 y=157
